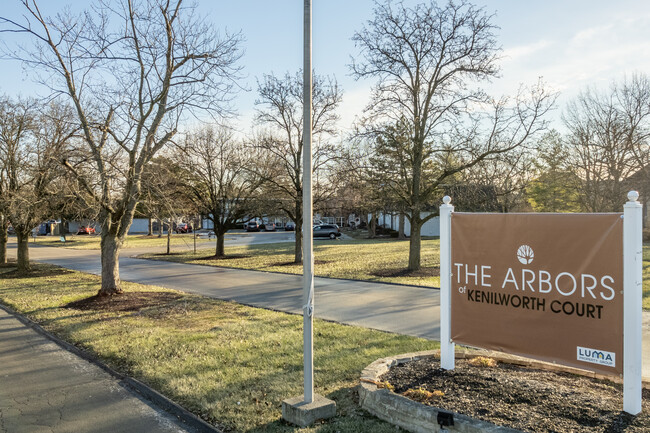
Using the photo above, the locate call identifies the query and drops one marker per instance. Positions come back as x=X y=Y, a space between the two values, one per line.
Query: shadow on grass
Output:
x=401 y=272
x=226 y=257
x=35 y=272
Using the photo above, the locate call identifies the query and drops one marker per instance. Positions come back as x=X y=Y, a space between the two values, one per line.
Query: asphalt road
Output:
x=401 y=309
x=389 y=307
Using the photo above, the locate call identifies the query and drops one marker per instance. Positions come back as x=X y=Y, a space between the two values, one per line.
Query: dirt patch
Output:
x=518 y=397
x=401 y=272
x=127 y=301
x=170 y=254
x=226 y=257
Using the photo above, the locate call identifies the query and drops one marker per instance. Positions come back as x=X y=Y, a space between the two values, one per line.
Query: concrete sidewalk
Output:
x=44 y=388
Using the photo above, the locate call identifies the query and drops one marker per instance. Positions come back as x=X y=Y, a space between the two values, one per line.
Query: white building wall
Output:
x=430 y=228
x=140 y=225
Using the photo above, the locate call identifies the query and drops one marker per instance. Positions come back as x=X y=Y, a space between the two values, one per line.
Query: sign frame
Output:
x=632 y=298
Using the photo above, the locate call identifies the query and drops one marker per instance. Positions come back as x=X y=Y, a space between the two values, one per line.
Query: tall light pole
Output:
x=307 y=408
x=307 y=215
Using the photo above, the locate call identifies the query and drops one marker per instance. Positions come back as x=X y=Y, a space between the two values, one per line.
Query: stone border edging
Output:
x=406 y=413
x=145 y=391
x=420 y=418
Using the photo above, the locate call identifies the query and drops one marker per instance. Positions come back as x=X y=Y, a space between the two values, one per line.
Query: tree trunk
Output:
x=23 y=249
x=298 y=246
x=297 y=254
x=415 y=244
x=372 y=227
x=401 y=235
x=169 y=237
x=150 y=227
x=160 y=228
x=110 y=247
x=4 y=225
x=221 y=236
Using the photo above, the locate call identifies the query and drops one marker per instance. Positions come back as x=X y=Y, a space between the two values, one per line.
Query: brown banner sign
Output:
x=548 y=286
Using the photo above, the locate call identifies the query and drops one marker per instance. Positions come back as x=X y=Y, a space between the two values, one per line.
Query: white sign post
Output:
x=632 y=303
x=447 y=349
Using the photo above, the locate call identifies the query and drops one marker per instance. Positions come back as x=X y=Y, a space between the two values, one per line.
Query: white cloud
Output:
x=516 y=53
x=354 y=101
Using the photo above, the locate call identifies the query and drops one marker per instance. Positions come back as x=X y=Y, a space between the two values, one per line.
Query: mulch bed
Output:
x=401 y=272
x=521 y=398
x=127 y=301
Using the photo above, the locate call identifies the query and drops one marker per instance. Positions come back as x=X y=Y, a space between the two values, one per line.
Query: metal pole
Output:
x=307 y=216
x=632 y=301
x=447 y=347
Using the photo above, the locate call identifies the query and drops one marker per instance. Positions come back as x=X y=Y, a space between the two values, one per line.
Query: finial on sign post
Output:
x=631 y=196
x=446 y=199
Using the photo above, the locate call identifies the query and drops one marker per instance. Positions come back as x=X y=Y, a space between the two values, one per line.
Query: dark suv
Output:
x=327 y=231
x=252 y=226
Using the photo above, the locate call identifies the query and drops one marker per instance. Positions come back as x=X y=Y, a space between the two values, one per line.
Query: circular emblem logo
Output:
x=525 y=254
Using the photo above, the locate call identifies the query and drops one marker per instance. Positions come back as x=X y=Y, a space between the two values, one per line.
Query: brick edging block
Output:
x=408 y=414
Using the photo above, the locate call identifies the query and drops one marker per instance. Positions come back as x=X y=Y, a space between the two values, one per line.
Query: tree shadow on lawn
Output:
x=226 y=257
x=35 y=272
x=316 y=262
x=402 y=272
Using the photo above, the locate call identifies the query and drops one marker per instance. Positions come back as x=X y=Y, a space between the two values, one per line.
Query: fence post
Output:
x=447 y=350
x=632 y=301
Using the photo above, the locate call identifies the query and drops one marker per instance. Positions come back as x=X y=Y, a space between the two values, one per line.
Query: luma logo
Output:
x=594 y=356
x=525 y=255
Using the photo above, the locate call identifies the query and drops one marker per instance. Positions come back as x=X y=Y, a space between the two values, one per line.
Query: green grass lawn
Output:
x=230 y=364
x=381 y=260
x=91 y=242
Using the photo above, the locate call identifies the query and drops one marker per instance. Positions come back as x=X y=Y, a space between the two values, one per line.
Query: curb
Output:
x=159 y=400
x=409 y=414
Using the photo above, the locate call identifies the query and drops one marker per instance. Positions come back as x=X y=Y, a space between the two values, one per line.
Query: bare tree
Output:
x=220 y=178
x=508 y=174
x=132 y=69
x=609 y=142
x=30 y=155
x=16 y=122
x=425 y=59
x=280 y=110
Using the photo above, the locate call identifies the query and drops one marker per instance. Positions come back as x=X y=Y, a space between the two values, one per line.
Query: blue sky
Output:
x=571 y=44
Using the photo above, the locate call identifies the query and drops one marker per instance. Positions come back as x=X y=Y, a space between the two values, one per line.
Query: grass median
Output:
x=379 y=260
x=230 y=364
x=91 y=242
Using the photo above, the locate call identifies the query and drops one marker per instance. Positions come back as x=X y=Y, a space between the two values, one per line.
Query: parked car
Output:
x=83 y=230
x=252 y=226
x=327 y=231
x=183 y=228
x=290 y=226
x=269 y=227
